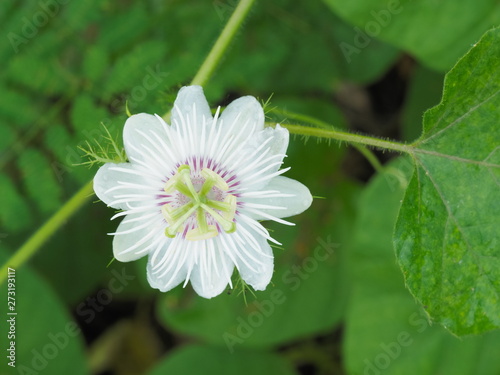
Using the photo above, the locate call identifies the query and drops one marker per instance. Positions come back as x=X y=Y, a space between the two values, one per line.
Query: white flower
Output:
x=193 y=194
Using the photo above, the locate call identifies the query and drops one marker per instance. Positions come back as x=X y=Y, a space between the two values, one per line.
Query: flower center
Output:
x=202 y=203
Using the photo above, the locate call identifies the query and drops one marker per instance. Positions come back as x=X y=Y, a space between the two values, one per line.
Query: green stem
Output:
x=348 y=137
x=213 y=58
x=367 y=153
x=302 y=118
x=220 y=46
x=48 y=229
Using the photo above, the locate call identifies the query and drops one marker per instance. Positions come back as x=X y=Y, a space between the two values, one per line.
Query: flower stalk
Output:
x=57 y=220
x=349 y=138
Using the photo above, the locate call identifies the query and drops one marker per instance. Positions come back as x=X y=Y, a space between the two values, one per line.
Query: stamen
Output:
x=207 y=185
x=229 y=213
x=170 y=185
x=172 y=230
x=228 y=225
x=185 y=173
x=222 y=206
x=172 y=215
x=219 y=181
x=181 y=182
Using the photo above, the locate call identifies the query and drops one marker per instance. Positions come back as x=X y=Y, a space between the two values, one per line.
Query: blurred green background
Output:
x=337 y=303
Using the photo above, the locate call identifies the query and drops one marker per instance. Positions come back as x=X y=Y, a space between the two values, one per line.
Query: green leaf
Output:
x=40 y=180
x=437 y=33
x=48 y=45
x=7 y=138
x=218 y=361
x=137 y=70
x=386 y=332
x=79 y=14
x=120 y=25
x=46 y=338
x=15 y=212
x=95 y=63
x=58 y=140
x=447 y=237
x=42 y=76
x=5 y=7
x=87 y=117
x=9 y=108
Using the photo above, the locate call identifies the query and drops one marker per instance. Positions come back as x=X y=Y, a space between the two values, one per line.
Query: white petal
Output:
x=191 y=106
x=135 y=242
x=213 y=272
x=113 y=182
x=242 y=118
x=279 y=143
x=262 y=157
x=147 y=143
x=168 y=266
x=251 y=254
x=292 y=196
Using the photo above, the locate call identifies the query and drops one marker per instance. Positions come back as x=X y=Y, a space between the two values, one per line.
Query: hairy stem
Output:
x=367 y=153
x=349 y=138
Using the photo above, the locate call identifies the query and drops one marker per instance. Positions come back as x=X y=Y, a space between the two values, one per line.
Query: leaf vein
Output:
x=457 y=158
x=457 y=120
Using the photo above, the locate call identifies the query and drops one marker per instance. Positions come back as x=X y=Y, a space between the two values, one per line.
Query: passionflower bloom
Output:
x=193 y=194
